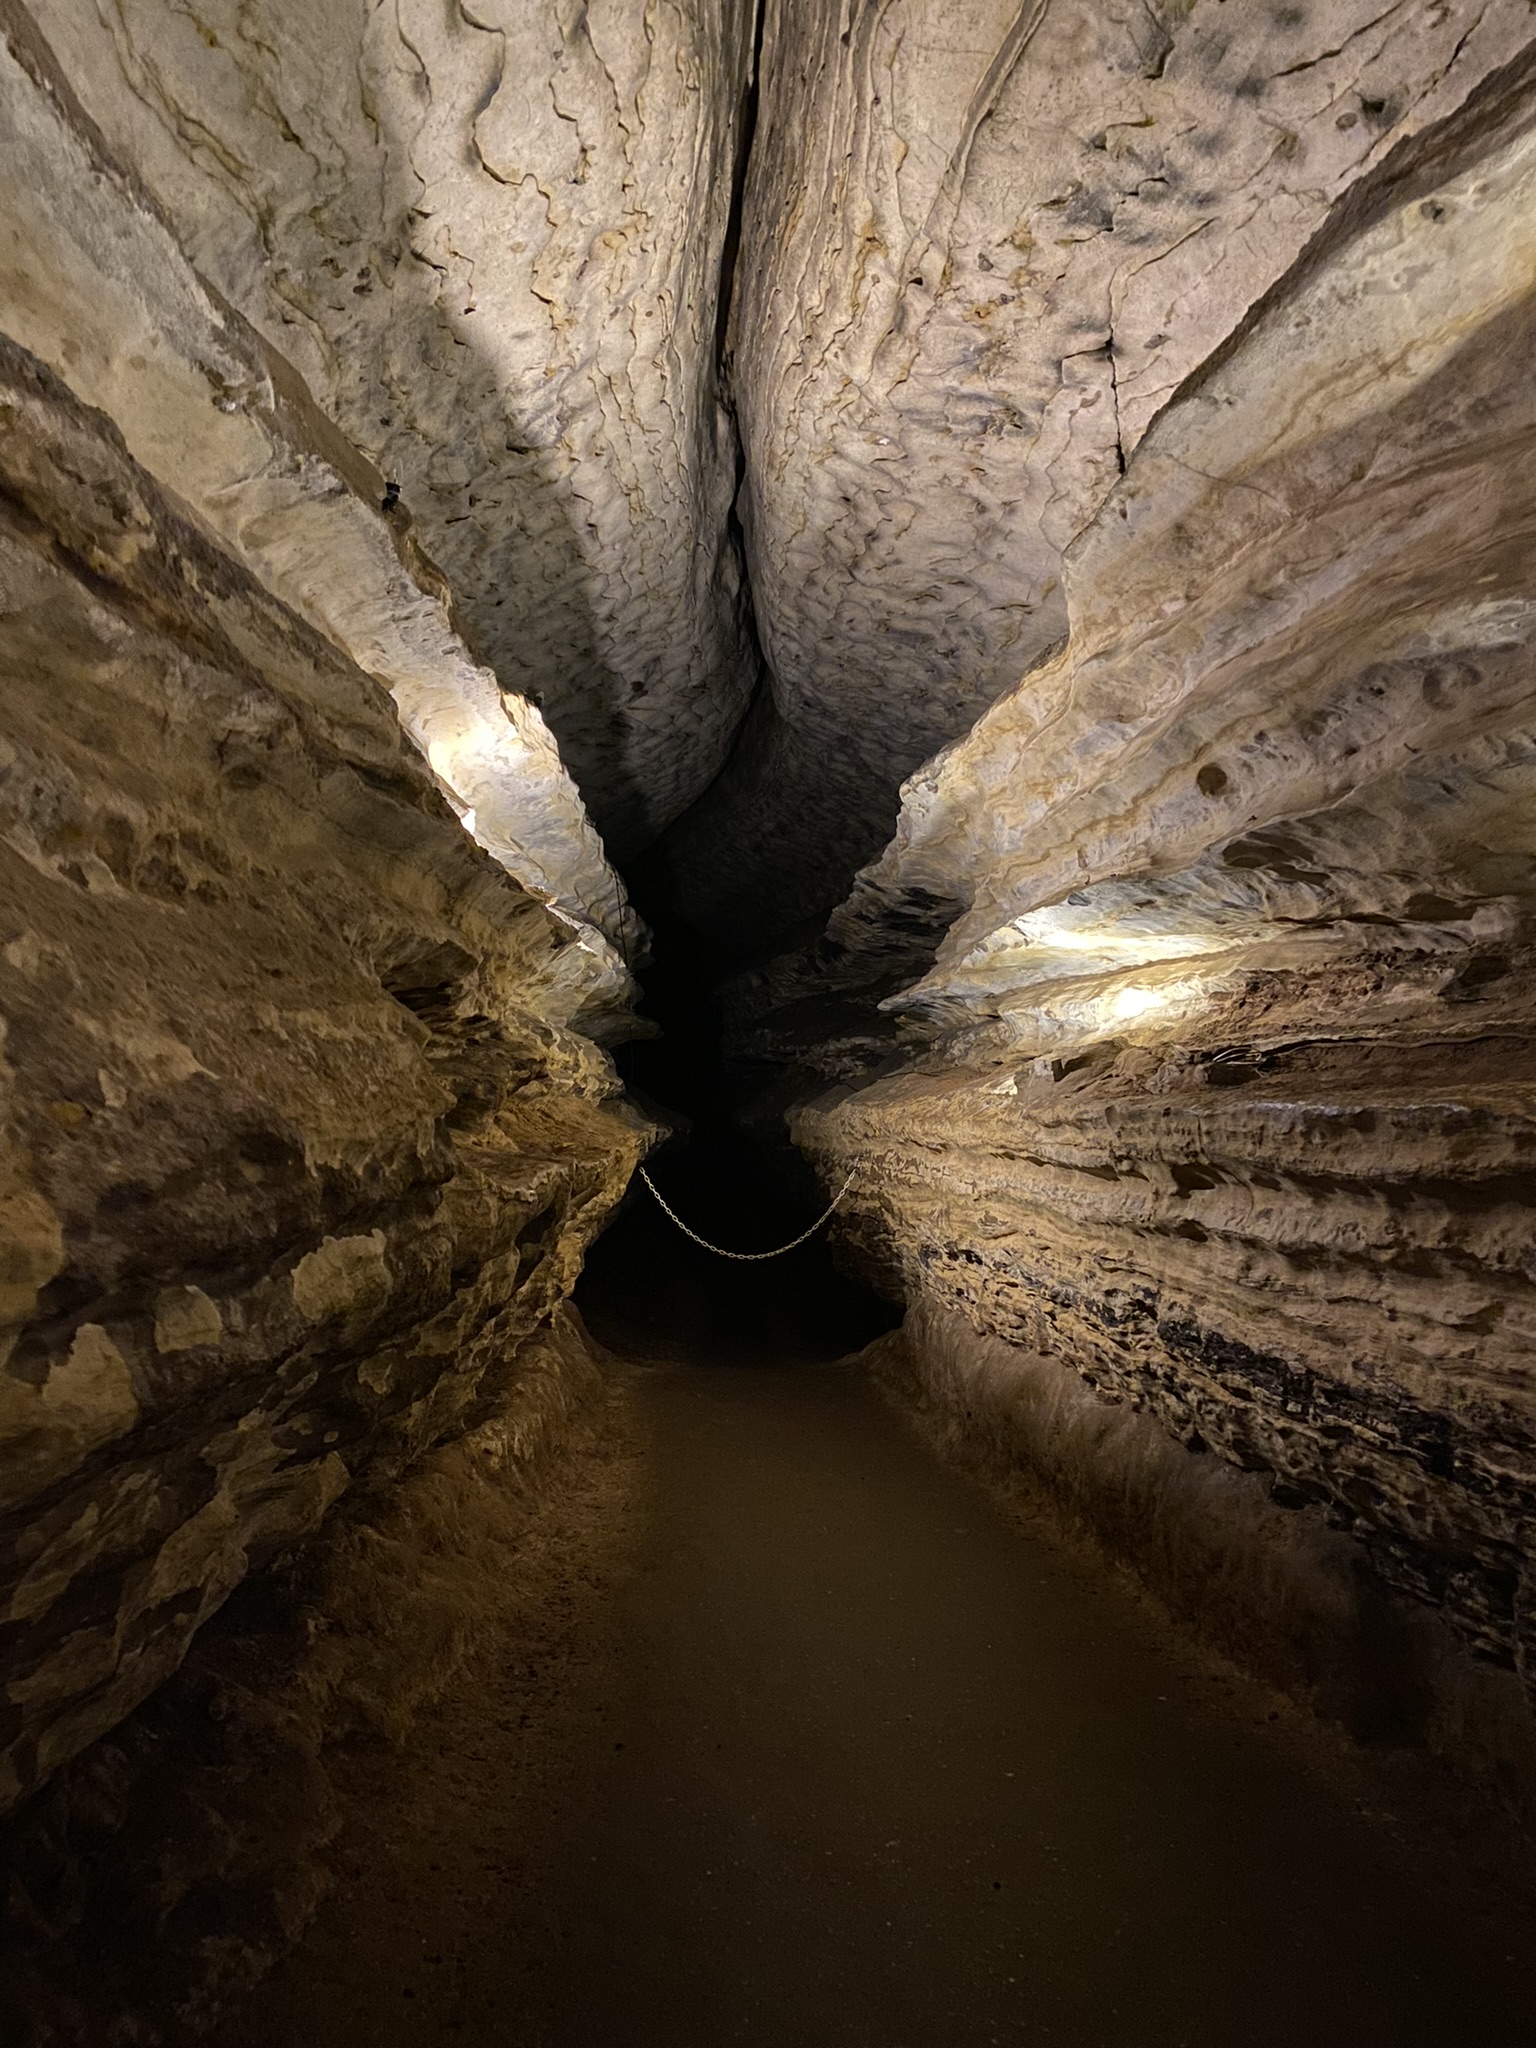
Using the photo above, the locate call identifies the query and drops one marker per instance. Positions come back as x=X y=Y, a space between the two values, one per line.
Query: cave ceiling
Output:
x=749 y=373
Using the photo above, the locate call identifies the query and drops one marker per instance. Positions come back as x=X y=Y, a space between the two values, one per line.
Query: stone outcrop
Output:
x=1221 y=1087
x=987 y=242
x=300 y=1146
x=491 y=241
x=93 y=281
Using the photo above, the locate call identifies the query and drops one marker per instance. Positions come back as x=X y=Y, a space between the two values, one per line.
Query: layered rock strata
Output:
x=1322 y=1277
x=986 y=243
x=491 y=240
x=299 y=1145
x=1224 y=1083
x=1176 y=358
x=234 y=1783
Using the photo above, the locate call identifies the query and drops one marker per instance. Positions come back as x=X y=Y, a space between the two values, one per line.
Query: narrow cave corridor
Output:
x=921 y=608
x=863 y=1760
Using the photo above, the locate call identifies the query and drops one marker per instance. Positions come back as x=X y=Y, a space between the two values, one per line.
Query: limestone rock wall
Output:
x=1322 y=1276
x=491 y=241
x=985 y=243
x=93 y=281
x=298 y=1148
x=1176 y=359
x=1286 y=724
x=1222 y=1085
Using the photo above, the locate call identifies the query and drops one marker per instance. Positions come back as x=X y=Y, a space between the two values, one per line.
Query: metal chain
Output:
x=778 y=1251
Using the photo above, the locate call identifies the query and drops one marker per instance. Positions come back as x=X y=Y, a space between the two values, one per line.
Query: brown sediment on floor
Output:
x=850 y=1757
x=1279 y=1614
x=164 y=1872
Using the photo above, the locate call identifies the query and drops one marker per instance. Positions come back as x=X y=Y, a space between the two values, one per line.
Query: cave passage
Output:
x=862 y=1760
x=736 y=1180
x=973 y=564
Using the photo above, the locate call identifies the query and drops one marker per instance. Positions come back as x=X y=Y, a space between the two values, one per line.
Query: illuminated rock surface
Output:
x=95 y=284
x=490 y=241
x=1223 y=1085
x=301 y=1145
x=990 y=242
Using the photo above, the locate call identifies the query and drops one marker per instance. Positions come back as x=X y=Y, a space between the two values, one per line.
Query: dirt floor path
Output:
x=809 y=1744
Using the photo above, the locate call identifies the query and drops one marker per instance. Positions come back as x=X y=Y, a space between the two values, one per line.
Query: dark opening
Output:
x=646 y=1286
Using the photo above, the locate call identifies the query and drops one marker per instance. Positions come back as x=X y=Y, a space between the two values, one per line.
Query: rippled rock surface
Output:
x=983 y=245
x=491 y=240
x=1220 y=1086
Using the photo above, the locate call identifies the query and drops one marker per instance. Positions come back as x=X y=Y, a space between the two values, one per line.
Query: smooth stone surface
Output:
x=862 y=1764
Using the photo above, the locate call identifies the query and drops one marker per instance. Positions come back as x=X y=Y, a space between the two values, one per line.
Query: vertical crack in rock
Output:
x=926 y=434
x=730 y=264
x=730 y=246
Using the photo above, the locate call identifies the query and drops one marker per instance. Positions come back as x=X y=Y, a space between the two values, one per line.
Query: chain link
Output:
x=779 y=1250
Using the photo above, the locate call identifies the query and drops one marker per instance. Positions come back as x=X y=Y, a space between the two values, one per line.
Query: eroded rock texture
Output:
x=93 y=281
x=491 y=240
x=1227 y=1097
x=979 y=248
x=299 y=1143
x=985 y=242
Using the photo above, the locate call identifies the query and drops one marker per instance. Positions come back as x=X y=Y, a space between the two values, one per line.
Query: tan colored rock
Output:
x=185 y=1317
x=1222 y=1082
x=31 y=1252
x=233 y=888
x=94 y=283
x=86 y=1399
x=346 y=1273
x=1136 y=402
x=1322 y=1277
x=93 y=1383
